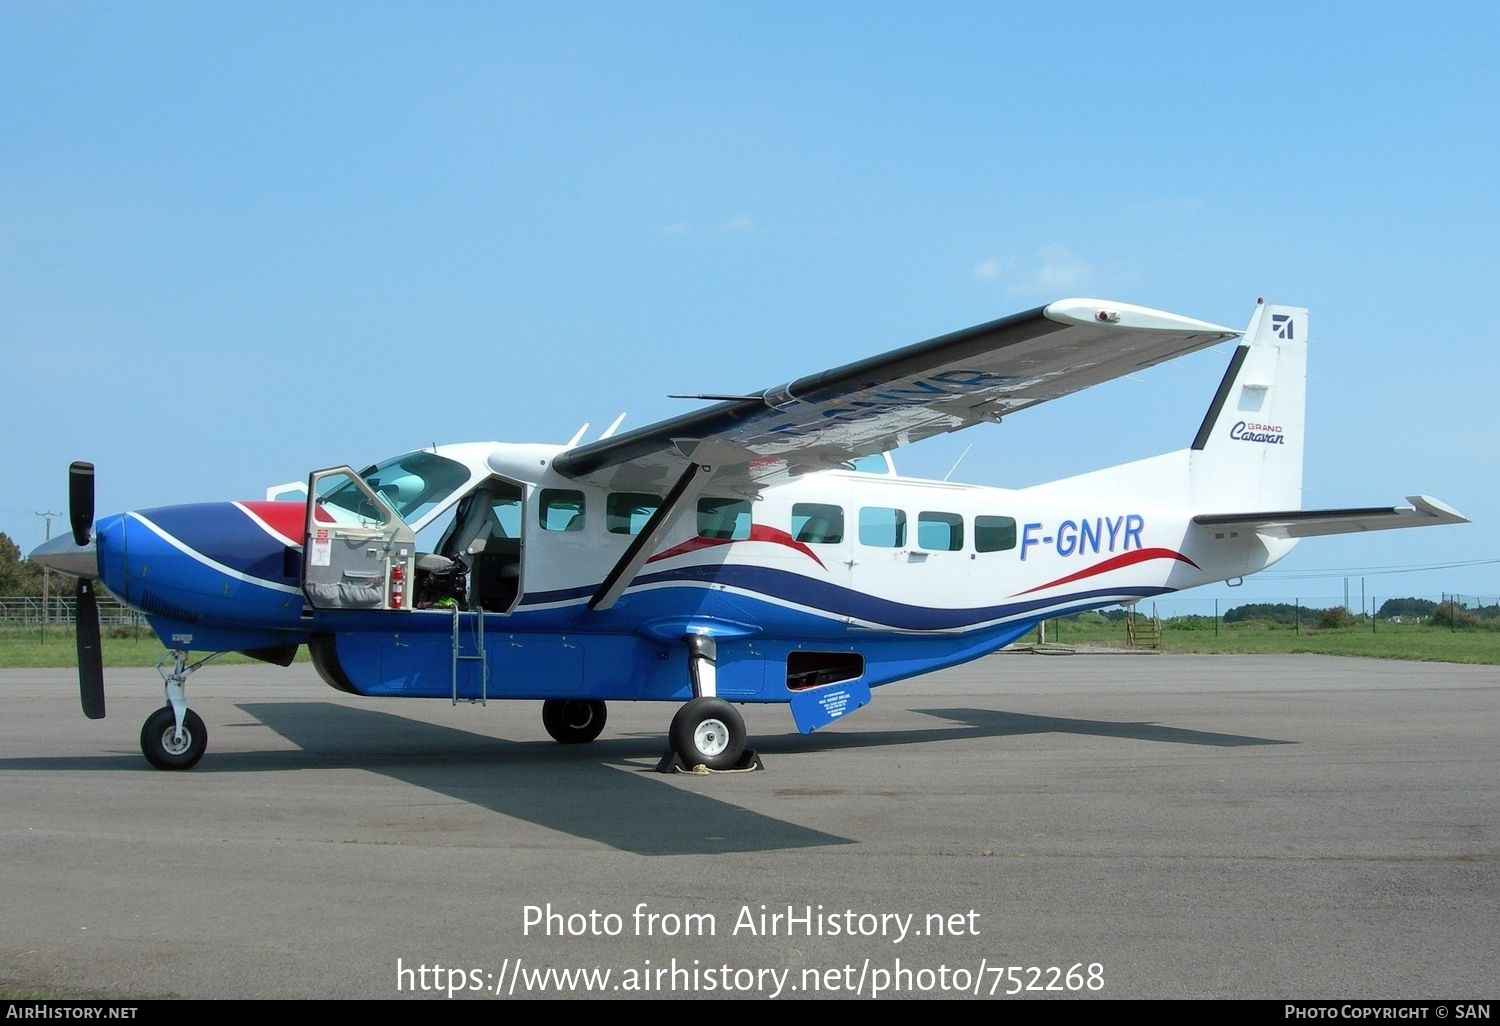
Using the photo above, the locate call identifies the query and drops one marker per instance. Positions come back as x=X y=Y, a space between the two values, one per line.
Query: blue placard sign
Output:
x=819 y=708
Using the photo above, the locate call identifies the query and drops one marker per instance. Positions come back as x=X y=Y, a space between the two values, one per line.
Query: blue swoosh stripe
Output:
x=836 y=600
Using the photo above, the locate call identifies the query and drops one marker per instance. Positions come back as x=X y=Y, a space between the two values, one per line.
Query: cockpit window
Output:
x=413 y=484
x=340 y=500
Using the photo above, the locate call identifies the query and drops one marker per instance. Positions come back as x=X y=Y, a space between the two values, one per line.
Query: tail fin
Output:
x=1248 y=452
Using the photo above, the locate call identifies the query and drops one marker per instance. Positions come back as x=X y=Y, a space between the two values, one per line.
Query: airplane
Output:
x=761 y=549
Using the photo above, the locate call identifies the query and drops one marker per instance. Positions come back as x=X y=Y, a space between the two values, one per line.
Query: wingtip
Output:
x=1437 y=509
x=1128 y=315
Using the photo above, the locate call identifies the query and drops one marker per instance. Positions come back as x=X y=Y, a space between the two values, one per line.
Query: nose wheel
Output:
x=168 y=748
x=173 y=737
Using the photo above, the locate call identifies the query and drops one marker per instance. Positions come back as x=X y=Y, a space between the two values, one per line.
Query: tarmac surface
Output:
x=1120 y=826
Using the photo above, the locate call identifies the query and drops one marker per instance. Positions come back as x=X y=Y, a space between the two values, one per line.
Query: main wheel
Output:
x=162 y=748
x=708 y=732
x=572 y=721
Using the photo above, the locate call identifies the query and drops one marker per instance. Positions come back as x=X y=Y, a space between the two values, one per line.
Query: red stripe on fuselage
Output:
x=1115 y=563
x=285 y=518
x=758 y=532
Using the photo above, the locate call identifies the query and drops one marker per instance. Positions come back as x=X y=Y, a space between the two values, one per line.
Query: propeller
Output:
x=90 y=658
x=81 y=501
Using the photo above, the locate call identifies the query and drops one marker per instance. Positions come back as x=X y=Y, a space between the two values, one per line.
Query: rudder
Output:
x=1247 y=454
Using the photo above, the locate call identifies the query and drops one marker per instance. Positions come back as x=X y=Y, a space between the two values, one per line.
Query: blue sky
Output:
x=241 y=241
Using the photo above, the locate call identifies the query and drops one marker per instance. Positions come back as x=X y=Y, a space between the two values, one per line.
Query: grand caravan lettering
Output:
x=1246 y=431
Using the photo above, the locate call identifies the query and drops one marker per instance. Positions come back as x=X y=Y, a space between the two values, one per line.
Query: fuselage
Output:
x=834 y=576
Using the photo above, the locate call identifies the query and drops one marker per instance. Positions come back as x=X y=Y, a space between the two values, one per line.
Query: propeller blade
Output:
x=81 y=500
x=90 y=657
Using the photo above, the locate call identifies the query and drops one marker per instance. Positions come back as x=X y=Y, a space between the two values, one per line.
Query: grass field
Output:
x=1387 y=640
x=25 y=648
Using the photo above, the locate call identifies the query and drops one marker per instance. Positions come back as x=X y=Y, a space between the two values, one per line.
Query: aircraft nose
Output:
x=66 y=556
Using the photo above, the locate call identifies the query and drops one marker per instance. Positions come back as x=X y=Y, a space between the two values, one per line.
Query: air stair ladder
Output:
x=476 y=654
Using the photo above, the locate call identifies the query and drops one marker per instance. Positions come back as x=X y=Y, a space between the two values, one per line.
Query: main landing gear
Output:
x=573 y=722
x=706 y=731
x=173 y=737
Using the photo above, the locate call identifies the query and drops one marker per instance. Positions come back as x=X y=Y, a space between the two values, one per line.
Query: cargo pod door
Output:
x=357 y=553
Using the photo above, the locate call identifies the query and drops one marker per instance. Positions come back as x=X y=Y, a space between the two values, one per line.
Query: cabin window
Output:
x=724 y=519
x=882 y=528
x=994 y=534
x=817 y=523
x=560 y=509
x=627 y=512
x=940 y=532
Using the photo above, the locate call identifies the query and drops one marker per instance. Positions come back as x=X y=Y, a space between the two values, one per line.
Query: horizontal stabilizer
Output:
x=1424 y=511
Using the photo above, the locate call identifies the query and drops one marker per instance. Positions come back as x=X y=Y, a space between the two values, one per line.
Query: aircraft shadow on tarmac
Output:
x=979 y=723
x=591 y=791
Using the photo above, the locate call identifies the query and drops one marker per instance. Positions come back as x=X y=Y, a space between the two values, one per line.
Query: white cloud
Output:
x=740 y=224
x=1054 y=269
x=676 y=228
x=991 y=268
x=1060 y=268
x=1050 y=270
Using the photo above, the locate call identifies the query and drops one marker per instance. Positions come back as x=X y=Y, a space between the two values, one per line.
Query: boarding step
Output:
x=474 y=653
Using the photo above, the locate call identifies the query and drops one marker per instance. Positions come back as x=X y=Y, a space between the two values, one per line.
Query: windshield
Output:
x=413 y=484
x=410 y=485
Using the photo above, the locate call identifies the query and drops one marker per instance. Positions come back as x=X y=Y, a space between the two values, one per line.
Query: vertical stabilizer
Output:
x=1247 y=454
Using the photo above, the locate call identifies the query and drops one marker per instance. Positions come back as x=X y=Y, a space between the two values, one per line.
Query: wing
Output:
x=826 y=419
x=1423 y=511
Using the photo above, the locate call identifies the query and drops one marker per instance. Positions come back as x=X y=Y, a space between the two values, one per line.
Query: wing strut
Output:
x=692 y=481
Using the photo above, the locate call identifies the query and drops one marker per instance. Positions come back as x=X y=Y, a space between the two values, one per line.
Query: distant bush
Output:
x=1406 y=608
x=1190 y=622
x=1447 y=614
x=1336 y=617
x=1271 y=612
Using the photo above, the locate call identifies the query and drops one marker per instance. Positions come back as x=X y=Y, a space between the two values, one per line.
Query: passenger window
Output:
x=883 y=528
x=994 y=534
x=560 y=509
x=940 y=532
x=725 y=519
x=817 y=523
x=627 y=512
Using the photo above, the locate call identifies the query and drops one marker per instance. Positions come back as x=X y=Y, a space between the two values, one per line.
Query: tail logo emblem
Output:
x=1281 y=324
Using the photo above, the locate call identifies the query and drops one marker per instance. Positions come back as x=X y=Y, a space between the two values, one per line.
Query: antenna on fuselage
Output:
x=957 y=462
x=613 y=427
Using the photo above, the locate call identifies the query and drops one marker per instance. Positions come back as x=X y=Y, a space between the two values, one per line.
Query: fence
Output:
x=61 y=609
x=1187 y=604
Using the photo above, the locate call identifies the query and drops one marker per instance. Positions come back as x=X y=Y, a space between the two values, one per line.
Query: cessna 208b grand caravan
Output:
x=761 y=549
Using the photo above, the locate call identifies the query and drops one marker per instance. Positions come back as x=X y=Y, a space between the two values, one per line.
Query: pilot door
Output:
x=357 y=553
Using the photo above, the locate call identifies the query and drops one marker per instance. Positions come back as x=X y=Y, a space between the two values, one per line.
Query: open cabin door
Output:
x=486 y=536
x=357 y=553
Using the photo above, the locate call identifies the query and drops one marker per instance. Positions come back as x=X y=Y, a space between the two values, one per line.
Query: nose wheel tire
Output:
x=708 y=732
x=572 y=721
x=164 y=749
